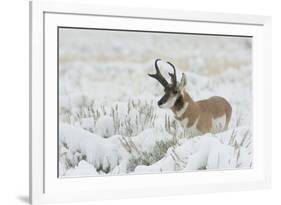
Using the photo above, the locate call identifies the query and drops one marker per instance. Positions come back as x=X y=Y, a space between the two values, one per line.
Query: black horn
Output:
x=158 y=76
x=173 y=75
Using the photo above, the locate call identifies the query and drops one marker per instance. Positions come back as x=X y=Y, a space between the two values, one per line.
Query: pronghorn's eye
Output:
x=175 y=92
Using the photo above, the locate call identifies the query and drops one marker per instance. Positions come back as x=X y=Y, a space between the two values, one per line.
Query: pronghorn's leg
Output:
x=228 y=113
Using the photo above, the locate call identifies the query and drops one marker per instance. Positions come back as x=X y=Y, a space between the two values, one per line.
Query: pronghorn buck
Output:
x=209 y=115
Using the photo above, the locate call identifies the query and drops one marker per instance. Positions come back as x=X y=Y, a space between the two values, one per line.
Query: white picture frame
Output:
x=46 y=187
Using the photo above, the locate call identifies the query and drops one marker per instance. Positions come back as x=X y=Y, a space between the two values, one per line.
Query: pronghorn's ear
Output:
x=183 y=81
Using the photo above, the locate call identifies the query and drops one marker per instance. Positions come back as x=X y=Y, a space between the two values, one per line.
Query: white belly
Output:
x=218 y=124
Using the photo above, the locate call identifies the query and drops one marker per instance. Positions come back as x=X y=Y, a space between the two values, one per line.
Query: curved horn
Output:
x=158 y=76
x=173 y=75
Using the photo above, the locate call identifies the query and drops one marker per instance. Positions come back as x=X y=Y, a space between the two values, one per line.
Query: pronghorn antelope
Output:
x=209 y=115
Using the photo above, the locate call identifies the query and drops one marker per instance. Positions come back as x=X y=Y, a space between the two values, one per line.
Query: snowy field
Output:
x=109 y=121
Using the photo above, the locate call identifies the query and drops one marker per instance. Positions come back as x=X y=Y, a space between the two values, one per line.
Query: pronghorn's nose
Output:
x=159 y=103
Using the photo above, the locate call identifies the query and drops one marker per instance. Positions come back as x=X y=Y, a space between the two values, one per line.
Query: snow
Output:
x=105 y=126
x=146 y=140
x=201 y=152
x=83 y=169
x=109 y=121
x=101 y=153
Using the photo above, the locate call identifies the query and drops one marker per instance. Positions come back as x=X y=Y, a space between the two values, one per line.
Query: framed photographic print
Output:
x=129 y=102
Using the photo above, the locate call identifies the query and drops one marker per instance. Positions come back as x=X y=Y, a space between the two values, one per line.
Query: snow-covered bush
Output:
x=104 y=126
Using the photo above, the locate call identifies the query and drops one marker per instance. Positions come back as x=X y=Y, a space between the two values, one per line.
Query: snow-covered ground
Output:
x=109 y=121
